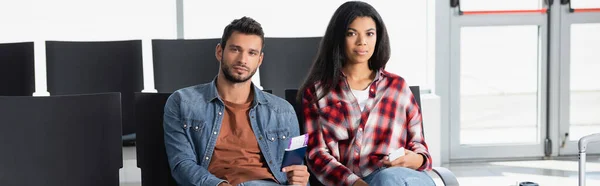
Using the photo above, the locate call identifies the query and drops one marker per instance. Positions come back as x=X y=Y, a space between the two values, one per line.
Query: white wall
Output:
x=15 y=18
x=432 y=124
x=86 y=20
x=94 y=20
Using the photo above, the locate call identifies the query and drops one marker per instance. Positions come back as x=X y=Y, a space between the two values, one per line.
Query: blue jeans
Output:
x=259 y=183
x=398 y=176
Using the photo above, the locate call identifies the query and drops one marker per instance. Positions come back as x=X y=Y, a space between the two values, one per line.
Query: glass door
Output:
x=579 y=74
x=498 y=79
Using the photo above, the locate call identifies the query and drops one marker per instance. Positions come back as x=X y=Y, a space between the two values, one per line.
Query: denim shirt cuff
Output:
x=216 y=182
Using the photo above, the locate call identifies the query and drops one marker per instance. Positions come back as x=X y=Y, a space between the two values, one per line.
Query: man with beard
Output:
x=228 y=132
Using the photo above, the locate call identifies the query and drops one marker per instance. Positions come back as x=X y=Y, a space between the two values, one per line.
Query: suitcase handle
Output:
x=583 y=142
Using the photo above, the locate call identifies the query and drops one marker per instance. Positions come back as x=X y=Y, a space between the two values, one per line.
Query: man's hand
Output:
x=297 y=174
x=410 y=160
x=360 y=182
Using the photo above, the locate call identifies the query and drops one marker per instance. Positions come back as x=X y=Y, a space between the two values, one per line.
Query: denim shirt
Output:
x=192 y=123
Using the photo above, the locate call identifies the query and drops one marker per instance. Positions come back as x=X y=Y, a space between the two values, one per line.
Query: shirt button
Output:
x=215 y=133
x=206 y=158
x=252 y=117
x=272 y=139
x=184 y=125
x=260 y=138
x=359 y=129
x=270 y=162
x=220 y=113
x=283 y=137
x=196 y=128
x=356 y=153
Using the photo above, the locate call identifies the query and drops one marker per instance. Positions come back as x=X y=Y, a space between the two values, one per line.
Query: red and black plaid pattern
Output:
x=346 y=143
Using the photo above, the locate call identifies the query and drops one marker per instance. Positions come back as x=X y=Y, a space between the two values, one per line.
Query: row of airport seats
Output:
x=116 y=66
x=75 y=139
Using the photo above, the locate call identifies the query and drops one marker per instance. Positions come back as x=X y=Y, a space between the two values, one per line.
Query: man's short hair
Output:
x=244 y=25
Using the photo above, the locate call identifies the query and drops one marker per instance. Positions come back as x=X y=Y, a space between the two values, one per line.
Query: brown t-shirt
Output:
x=237 y=156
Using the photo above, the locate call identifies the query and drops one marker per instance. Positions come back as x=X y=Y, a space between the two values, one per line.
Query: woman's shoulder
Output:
x=311 y=89
x=391 y=76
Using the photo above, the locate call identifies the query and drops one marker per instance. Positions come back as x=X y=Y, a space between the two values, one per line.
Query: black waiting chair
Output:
x=290 y=96
x=447 y=177
x=183 y=63
x=61 y=140
x=286 y=63
x=150 y=144
x=17 y=69
x=96 y=67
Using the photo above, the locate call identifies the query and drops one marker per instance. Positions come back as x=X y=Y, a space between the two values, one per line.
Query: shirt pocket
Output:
x=333 y=121
x=193 y=128
x=278 y=135
x=279 y=139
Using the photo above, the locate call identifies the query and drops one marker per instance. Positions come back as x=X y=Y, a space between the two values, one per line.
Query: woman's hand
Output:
x=410 y=160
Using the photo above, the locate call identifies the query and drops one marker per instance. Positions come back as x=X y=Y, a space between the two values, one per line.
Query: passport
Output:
x=294 y=154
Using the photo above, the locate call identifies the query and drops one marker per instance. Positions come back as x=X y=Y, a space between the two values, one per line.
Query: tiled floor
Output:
x=509 y=173
x=504 y=173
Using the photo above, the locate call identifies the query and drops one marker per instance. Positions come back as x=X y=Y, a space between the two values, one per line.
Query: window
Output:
x=585 y=89
x=585 y=4
x=499 y=84
x=479 y=5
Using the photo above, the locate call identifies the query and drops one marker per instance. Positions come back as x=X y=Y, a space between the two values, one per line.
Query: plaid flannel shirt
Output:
x=346 y=143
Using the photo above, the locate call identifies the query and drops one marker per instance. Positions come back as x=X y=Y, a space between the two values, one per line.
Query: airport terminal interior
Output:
x=507 y=88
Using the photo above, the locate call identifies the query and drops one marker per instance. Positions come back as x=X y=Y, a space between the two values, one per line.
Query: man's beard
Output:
x=235 y=79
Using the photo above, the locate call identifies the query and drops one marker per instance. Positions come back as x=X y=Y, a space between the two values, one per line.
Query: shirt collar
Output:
x=379 y=74
x=213 y=94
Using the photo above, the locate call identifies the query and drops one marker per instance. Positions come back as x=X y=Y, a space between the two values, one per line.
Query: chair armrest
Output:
x=448 y=178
